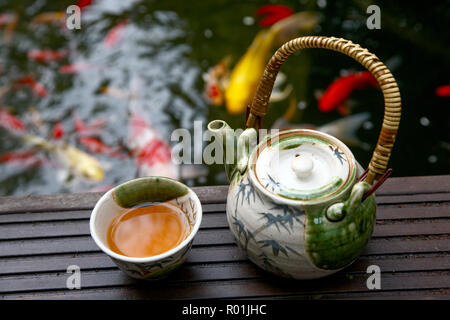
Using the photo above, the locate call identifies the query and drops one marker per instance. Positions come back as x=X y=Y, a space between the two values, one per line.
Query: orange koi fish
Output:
x=337 y=94
x=9 y=20
x=215 y=82
x=49 y=17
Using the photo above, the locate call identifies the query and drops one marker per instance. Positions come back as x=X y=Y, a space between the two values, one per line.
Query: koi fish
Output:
x=23 y=159
x=49 y=17
x=94 y=145
x=118 y=93
x=152 y=153
x=84 y=3
x=83 y=129
x=113 y=35
x=75 y=68
x=11 y=122
x=216 y=82
x=58 y=131
x=337 y=94
x=248 y=71
x=273 y=13
x=443 y=91
x=47 y=55
x=74 y=159
x=10 y=21
x=35 y=86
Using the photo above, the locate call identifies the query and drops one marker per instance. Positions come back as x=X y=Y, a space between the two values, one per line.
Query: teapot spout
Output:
x=236 y=146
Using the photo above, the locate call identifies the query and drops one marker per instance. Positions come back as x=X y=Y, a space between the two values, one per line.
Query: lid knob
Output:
x=302 y=165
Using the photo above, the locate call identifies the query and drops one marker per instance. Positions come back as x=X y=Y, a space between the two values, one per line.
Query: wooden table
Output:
x=40 y=236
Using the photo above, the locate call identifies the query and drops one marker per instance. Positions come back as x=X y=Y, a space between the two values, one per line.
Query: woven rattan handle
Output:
x=392 y=101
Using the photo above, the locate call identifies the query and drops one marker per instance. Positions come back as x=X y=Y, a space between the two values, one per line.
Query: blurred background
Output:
x=68 y=97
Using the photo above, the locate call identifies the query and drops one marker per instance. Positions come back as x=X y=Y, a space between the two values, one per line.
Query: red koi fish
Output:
x=95 y=145
x=88 y=130
x=58 y=131
x=153 y=154
x=273 y=13
x=47 y=55
x=443 y=91
x=24 y=159
x=92 y=144
x=75 y=68
x=35 y=86
x=113 y=35
x=340 y=90
x=84 y=3
x=10 y=121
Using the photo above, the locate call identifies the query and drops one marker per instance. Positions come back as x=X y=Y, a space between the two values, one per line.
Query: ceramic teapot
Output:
x=298 y=203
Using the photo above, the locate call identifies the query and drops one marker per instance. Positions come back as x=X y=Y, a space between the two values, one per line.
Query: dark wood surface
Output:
x=40 y=236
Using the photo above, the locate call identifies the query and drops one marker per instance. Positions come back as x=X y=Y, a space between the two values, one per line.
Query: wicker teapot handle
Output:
x=388 y=85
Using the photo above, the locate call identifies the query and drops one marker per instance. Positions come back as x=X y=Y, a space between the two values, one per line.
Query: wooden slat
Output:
x=81 y=228
x=99 y=261
x=229 y=253
x=84 y=201
x=76 y=214
x=414 y=185
x=414 y=198
x=85 y=244
x=212 y=272
x=418 y=294
x=413 y=211
x=384 y=212
x=217 y=194
x=259 y=287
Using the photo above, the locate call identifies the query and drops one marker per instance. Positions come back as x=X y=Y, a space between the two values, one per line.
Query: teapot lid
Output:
x=302 y=165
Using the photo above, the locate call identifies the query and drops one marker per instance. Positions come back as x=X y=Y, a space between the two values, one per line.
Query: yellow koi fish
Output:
x=76 y=160
x=248 y=71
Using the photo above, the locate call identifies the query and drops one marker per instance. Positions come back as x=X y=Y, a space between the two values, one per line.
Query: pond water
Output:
x=160 y=53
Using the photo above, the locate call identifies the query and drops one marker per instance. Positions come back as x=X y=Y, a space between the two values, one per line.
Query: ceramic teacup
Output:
x=141 y=191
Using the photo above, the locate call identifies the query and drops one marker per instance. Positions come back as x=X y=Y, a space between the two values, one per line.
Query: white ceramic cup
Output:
x=131 y=194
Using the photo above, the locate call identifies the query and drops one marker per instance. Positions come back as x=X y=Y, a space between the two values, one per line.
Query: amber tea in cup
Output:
x=148 y=230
